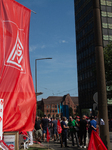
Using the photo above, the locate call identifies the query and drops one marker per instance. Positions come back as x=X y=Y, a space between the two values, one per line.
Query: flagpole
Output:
x=33 y=11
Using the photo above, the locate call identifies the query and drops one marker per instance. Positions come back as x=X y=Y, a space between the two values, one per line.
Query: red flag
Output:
x=59 y=129
x=16 y=84
x=95 y=142
x=48 y=135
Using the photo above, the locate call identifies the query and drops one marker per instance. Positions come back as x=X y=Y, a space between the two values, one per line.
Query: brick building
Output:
x=51 y=105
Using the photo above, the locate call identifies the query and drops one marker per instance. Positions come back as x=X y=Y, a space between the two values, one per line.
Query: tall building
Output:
x=86 y=61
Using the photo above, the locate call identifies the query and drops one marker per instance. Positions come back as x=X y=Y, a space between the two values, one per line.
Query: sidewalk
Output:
x=37 y=146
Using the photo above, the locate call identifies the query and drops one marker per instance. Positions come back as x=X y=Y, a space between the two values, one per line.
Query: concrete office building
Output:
x=86 y=64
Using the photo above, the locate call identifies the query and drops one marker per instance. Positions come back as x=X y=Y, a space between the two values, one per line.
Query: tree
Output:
x=108 y=62
x=70 y=111
x=40 y=113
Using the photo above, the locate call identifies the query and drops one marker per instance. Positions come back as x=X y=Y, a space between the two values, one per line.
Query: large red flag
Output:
x=48 y=135
x=95 y=142
x=16 y=84
x=59 y=129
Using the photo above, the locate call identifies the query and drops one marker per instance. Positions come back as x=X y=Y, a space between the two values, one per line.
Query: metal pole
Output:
x=36 y=77
x=36 y=73
x=101 y=84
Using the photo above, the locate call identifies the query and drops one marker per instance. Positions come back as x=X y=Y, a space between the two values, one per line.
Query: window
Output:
x=104 y=25
x=105 y=37
x=110 y=32
x=110 y=26
x=103 y=2
x=109 y=14
x=104 y=19
x=110 y=37
x=105 y=31
x=55 y=106
x=103 y=8
x=108 y=3
x=103 y=13
x=105 y=43
x=108 y=8
x=109 y=20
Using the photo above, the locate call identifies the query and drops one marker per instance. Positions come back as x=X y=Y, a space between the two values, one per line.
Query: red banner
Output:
x=59 y=129
x=48 y=135
x=16 y=84
x=95 y=142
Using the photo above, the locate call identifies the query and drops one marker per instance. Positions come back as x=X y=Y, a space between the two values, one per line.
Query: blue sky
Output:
x=52 y=34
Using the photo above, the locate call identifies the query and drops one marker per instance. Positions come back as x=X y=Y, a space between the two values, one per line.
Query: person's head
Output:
x=84 y=117
x=77 y=118
x=64 y=118
x=70 y=118
x=92 y=117
x=54 y=118
x=44 y=115
x=37 y=117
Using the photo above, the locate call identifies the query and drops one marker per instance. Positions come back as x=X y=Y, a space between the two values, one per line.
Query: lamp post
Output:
x=36 y=74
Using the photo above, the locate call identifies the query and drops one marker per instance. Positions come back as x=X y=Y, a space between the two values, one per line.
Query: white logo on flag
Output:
x=16 y=54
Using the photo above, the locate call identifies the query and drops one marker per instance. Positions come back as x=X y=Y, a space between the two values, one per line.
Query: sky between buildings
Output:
x=52 y=34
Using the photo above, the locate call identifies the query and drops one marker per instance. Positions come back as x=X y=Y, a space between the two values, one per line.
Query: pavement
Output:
x=57 y=146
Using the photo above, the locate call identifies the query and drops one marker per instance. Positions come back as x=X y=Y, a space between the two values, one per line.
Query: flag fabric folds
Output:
x=48 y=135
x=16 y=84
x=95 y=142
x=59 y=129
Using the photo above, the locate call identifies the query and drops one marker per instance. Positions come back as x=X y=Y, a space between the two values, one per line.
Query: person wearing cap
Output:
x=44 y=125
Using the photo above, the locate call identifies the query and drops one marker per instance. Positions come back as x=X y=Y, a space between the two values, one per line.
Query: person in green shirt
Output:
x=71 y=125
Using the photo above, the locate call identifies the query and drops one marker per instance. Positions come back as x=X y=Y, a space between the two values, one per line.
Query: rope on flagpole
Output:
x=33 y=11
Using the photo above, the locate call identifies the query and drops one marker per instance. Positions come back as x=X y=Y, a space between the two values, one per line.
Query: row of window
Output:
x=49 y=106
x=85 y=41
x=106 y=2
x=80 y=3
x=84 y=20
x=107 y=31
x=85 y=52
x=107 y=37
x=85 y=30
x=55 y=111
x=106 y=14
x=106 y=25
x=85 y=75
x=87 y=85
x=83 y=11
x=106 y=8
x=86 y=63
x=106 y=20
x=51 y=110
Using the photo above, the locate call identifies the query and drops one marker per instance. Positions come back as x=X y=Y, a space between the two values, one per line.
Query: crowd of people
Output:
x=77 y=127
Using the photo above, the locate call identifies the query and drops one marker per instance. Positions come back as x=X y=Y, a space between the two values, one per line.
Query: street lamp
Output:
x=36 y=76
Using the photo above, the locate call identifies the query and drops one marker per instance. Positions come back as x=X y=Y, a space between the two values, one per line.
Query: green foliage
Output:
x=78 y=111
x=108 y=62
x=85 y=112
x=40 y=113
x=70 y=111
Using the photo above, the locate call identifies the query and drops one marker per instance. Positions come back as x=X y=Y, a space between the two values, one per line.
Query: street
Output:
x=57 y=146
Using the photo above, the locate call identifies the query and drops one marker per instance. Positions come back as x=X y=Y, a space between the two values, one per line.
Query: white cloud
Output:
x=63 y=41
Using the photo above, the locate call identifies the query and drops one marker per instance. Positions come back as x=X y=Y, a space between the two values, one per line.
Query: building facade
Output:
x=86 y=61
x=52 y=105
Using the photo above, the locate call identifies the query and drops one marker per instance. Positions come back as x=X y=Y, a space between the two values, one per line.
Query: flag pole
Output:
x=33 y=11
x=48 y=145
